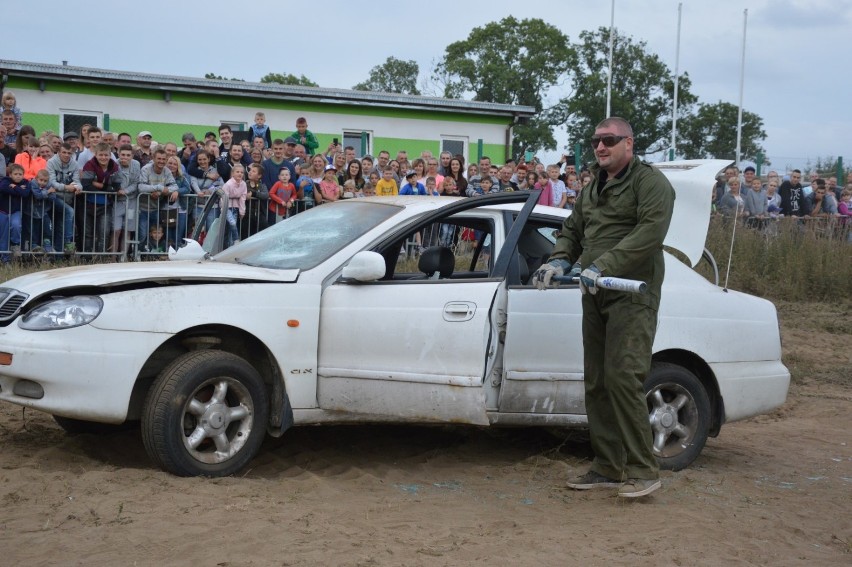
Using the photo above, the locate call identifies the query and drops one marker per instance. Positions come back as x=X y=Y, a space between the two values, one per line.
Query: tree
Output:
x=510 y=62
x=288 y=79
x=642 y=92
x=393 y=76
x=712 y=133
x=220 y=77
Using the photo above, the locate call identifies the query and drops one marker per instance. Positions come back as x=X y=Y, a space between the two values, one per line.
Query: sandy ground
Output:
x=774 y=490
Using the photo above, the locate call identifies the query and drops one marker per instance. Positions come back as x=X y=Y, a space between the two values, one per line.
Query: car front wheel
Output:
x=680 y=415
x=205 y=415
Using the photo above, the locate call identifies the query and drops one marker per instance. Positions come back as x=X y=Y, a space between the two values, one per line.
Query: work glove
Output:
x=589 y=279
x=576 y=269
x=543 y=276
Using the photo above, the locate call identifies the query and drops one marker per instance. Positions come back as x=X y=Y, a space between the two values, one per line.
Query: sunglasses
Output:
x=608 y=140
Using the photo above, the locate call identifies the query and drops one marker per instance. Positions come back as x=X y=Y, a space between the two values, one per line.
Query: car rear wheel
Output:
x=205 y=415
x=679 y=411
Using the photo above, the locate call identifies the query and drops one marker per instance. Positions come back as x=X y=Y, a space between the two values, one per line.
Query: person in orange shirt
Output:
x=30 y=160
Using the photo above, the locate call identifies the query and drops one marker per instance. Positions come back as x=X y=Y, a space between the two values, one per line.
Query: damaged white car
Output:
x=407 y=309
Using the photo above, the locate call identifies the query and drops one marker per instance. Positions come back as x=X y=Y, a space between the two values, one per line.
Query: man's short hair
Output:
x=820 y=182
x=224 y=127
x=125 y=134
x=66 y=146
x=620 y=123
x=349 y=148
x=259 y=114
x=125 y=148
x=159 y=150
x=92 y=130
x=301 y=120
x=103 y=147
x=799 y=171
x=188 y=137
x=7 y=112
x=12 y=167
x=277 y=142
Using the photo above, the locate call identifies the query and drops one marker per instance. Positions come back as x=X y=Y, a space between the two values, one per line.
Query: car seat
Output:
x=436 y=262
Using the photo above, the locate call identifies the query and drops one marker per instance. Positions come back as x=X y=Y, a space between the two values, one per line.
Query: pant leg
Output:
x=15 y=222
x=618 y=335
x=4 y=237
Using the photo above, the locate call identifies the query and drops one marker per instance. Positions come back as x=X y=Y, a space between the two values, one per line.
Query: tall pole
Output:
x=742 y=82
x=676 y=71
x=609 y=75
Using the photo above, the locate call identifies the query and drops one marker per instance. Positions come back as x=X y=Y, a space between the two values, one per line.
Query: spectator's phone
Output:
x=335 y=141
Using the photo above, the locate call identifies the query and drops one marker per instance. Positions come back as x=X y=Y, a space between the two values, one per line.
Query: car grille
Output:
x=10 y=303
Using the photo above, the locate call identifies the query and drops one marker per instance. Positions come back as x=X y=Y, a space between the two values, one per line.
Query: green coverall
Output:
x=619 y=225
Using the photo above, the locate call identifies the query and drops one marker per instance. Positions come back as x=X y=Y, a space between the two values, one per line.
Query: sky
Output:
x=797 y=66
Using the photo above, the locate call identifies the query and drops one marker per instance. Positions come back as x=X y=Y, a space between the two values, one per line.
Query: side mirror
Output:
x=365 y=267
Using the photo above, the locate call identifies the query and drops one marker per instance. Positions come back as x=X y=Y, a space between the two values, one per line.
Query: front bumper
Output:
x=86 y=373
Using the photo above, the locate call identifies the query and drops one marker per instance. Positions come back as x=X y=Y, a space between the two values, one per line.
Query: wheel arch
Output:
x=697 y=365
x=215 y=337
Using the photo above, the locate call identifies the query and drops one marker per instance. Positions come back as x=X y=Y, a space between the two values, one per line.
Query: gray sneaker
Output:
x=592 y=480
x=16 y=250
x=636 y=487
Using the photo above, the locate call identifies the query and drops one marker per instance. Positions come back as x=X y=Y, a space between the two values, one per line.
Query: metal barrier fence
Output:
x=94 y=224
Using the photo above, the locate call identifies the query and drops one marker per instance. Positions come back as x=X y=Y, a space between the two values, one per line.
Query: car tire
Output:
x=205 y=415
x=680 y=415
x=82 y=427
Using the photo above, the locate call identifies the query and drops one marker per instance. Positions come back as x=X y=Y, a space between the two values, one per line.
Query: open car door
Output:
x=415 y=346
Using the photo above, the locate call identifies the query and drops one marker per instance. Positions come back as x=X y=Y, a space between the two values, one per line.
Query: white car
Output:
x=406 y=309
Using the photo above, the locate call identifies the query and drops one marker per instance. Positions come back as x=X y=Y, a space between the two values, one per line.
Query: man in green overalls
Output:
x=617 y=229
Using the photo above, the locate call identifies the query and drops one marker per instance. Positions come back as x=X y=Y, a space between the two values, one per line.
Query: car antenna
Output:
x=731 y=251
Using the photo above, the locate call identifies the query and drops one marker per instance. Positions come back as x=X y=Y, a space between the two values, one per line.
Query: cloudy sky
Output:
x=797 y=51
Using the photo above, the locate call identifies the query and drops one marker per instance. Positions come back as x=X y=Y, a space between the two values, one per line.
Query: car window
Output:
x=468 y=239
x=309 y=238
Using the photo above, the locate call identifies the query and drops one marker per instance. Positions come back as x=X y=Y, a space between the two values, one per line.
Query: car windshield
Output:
x=305 y=240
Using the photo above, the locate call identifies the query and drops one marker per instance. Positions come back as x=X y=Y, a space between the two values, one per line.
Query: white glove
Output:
x=543 y=277
x=589 y=279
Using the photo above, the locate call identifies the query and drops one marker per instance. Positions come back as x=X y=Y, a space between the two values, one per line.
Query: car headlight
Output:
x=63 y=313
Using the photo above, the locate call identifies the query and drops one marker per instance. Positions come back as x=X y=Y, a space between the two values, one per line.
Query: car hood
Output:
x=693 y=181
x=108 y=275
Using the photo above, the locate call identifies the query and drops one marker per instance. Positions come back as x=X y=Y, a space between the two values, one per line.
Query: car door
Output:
x=543 y=350
x=417 y=349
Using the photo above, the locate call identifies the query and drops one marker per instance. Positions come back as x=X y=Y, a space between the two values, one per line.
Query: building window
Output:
x=354 y=139
x=456 y=145
x=73 y=120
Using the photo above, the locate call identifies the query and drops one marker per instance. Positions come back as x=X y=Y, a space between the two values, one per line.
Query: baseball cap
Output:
x=571 y=193
x=330 y=167
x=144 y=133
x=410 y=173
x=290 y=140
x=749 y=168
x=70 y=135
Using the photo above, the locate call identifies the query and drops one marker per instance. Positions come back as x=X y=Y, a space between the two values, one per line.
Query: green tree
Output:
x=288 y=79
x=220 y=77
x=642 y=92
x=712 y=133
x=392 y=76
x=510 y=62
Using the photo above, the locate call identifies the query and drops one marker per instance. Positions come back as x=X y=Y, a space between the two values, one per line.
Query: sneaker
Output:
x=37 y=250
x=48 y=247
x=592 y=480
x=16 y=250
x=636 y=487
x=70 y=249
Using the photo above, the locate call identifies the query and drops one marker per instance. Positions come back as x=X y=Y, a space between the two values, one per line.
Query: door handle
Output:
x=459 y=311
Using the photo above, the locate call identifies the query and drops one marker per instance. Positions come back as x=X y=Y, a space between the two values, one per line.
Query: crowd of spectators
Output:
x=101 y=192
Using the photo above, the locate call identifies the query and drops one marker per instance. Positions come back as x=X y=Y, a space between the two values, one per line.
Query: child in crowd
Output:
x=543 y=185
x=305 y=185
x=570 y=199
x=844 y=209
x=756 y=204
x=450 y=187
x=432 y=186
x=485 y=185
x=9 y=102
x=557 y=186
x=368 y=191
x=281 y=197
x=260 y=129
x=41 y=211
x=349 y=189
x=411 y=185
x=30 y=160
x=328 y=186
x=156 y=242
x=386 y=186
x=305 y=136
x=13 y=190
x=236 y=190
x=374 y=177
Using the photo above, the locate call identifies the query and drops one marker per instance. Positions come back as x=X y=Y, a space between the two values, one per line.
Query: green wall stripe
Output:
x=254 y=102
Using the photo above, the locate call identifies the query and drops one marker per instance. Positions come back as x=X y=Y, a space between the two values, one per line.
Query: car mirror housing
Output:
x=365 y=267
